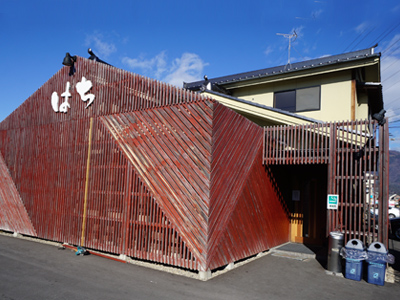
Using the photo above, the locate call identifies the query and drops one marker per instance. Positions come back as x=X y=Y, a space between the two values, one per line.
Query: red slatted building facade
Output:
x=130 y=165
x=147 y=170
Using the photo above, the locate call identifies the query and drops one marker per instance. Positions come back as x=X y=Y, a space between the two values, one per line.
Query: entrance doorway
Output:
x=304 y=189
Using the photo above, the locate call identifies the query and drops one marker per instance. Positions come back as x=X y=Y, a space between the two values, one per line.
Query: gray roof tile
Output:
x=309 y=64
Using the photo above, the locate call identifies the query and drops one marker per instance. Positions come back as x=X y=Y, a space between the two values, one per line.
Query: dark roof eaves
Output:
x=304 y=65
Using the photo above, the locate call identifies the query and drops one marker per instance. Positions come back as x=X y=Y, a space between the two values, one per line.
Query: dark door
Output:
x=304 y=188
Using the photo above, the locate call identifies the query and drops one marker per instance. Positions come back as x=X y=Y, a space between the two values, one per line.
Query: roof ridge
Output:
x=316 y=62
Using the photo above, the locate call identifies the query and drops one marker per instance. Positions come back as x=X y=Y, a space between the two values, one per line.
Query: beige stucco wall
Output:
x=336 y=95
x=362 y=107
x=258 y=115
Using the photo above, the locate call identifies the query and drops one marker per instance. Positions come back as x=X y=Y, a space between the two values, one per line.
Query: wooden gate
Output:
x=357 y=157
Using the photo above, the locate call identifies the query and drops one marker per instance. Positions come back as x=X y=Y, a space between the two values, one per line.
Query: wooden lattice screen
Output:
x=357 y=156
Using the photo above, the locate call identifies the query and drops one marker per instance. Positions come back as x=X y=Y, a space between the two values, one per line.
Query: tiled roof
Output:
x=309 y=64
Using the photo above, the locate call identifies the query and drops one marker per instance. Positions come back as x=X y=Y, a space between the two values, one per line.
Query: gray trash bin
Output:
x=334 y=246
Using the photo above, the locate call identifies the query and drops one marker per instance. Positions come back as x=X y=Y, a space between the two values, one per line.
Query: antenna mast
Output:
x=289 y=37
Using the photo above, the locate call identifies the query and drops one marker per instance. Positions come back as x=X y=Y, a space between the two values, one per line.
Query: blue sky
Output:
x=176 y=41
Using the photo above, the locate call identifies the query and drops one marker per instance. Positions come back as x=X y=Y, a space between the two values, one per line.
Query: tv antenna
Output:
x=289 y=37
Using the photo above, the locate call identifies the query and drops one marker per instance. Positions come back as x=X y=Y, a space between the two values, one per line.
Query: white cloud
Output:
x=268 y=51
x=154 y=65
x=396 y=9
x=392 y=48
x=189 y=67
x=101 y=48
x=317 y=13
x=390 y=80
x=390 y=66
x=362 y=27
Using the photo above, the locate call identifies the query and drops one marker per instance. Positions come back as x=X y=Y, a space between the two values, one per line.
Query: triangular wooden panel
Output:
x=122 y=214
x=149 y=234
x=258 y=221
x=235 y=145
x=170 y=149
x=13 y=215
x=243 y=204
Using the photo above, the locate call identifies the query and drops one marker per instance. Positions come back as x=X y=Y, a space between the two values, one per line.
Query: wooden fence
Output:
x=357 y=156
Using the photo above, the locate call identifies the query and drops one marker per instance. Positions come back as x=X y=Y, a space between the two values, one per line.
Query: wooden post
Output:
x=87 y=183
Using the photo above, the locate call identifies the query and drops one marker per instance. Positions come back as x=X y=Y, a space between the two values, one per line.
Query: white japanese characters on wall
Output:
x=83 y=88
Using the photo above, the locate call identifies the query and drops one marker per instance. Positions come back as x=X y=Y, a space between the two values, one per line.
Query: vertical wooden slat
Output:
x=384 y=181
x=351 y=151
x=86 y=184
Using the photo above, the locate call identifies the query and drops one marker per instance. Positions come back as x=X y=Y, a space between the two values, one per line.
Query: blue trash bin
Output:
x=377 y=259
x=354 y=253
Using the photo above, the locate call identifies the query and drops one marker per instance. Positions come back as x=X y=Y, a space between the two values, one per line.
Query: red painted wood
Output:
x=170 y=155
x=247 y=215
x=174 y=178
x=13 y=216
x=352 y=153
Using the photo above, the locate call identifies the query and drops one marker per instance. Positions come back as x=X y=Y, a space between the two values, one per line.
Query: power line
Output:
x=392 y=51
x=359 y=35
x=390 y=86
x=390 y=46
x=391 y=122
x=394 y=110
x=377 y=40
x=391 y=76
x=299 y=53
x=390 y=64
x=389 y=32
x=363 y=38
x=393 y=100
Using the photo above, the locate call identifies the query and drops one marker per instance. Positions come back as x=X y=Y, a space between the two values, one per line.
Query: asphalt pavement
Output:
x=33 y=270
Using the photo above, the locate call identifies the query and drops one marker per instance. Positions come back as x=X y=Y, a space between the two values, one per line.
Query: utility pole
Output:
x=289 y=37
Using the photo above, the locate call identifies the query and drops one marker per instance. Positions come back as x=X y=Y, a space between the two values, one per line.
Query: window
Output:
x=298 y=100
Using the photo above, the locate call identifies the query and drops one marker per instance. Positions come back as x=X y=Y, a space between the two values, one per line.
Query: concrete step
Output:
x=294 y=251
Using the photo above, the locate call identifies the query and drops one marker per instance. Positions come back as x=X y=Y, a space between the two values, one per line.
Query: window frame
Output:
x=295 y=90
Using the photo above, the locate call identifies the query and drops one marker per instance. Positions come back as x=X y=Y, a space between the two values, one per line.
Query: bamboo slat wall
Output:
x=356 y=153
x=147 y=170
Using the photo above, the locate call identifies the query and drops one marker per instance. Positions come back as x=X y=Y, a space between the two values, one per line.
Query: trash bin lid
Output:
x=336 y=235
x=377 y=247
x=355 y=244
